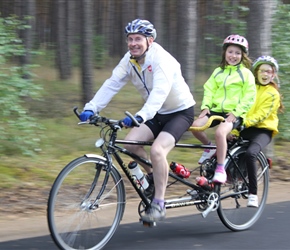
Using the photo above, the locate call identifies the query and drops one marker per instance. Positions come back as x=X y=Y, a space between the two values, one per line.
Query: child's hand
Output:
x=204 y=113
x=230 y=117
x=233 y=135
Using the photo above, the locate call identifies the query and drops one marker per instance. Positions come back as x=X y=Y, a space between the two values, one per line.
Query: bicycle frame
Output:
x=240 y=142
x=114 y=149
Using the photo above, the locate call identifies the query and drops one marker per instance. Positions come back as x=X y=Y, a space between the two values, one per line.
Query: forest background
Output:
x=55 y=54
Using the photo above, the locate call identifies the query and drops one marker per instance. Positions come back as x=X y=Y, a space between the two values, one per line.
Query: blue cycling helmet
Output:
x=266 y=60
x=142 y=27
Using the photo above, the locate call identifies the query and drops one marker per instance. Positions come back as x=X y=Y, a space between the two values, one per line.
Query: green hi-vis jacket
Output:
x=230 y=90
x=263 y=114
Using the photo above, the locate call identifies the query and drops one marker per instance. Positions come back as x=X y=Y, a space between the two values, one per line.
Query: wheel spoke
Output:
x=77 y=220
x=233 y=210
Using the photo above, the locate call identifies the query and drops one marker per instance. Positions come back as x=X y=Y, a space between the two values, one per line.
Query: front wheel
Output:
x=233 y=210
x=76 y=219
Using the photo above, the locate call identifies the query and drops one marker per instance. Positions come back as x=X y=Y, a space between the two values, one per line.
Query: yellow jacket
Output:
x=230 y=90
x=263 y=114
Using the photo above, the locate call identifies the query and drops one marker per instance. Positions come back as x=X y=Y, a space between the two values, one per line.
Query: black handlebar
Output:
x=76 y=112
x=96 y=118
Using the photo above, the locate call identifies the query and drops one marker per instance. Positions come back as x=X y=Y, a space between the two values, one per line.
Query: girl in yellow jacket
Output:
x=261 y=122
x=229 y=92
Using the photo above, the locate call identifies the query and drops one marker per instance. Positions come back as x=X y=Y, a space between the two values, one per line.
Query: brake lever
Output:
x=94 y=120
x=136 y=123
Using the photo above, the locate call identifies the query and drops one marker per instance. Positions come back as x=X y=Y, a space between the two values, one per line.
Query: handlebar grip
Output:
x=208 y=123
x=75 y=109
x=136 y=123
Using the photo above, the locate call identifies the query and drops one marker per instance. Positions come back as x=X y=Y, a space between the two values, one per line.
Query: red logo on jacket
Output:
x=150 y=68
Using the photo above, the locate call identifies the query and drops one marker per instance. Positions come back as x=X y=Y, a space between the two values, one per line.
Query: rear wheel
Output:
x=76 y=220
x=233 y=210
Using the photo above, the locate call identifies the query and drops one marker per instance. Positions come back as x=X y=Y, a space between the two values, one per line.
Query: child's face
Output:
x=233 y=55
x=265 y=74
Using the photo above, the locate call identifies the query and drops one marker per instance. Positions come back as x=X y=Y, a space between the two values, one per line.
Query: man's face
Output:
x=137 y=44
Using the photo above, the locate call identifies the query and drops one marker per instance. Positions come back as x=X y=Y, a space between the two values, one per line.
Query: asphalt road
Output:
x=188 y=232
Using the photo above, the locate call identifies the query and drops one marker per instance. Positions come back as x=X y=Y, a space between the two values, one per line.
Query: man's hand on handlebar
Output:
x=128 y=121
x=86 y=115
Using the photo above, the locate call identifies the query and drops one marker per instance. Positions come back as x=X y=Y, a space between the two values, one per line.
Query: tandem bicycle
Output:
x=88 y=198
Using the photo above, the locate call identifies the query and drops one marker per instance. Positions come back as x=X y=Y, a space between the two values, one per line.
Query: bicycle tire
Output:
x=233 y=210
x=73 y=224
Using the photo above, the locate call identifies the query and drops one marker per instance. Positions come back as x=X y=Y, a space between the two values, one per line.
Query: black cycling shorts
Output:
x=175 y=123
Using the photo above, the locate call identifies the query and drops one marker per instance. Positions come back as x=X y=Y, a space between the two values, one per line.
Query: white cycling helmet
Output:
x=143 y=27
x=266 y=60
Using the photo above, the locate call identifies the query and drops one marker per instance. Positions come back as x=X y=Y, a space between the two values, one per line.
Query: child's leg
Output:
x=221 y=142
x=201 y=135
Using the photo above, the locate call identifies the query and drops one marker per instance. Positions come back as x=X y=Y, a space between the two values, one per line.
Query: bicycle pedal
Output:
x=148 y=224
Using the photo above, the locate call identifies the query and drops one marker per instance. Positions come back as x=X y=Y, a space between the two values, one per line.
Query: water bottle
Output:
x=203 y=182
x=179 y=170
x=138 y=175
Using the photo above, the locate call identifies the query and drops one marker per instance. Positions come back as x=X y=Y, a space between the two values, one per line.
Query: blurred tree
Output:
x=157 y=10
x=259 y=27
x=26 y=11
x=213 y=32
x=6 y=8
x=19 y=132
x=63 y=38
x=110 y=24
x=186 y=42
x=217 y=27
x=140 y=9
x=170 y=27
x=86 y=50
x=125 y=18
x=280 y=46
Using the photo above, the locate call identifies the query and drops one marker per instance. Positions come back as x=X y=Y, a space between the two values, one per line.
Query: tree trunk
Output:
x=86 y=50
x=110 y=27
x=212 y=30
x=125 y=19
x=157 y=20
x=259 y=27
x=187 y=43
x=63 y=57
x=140 y=9
x=27 y=8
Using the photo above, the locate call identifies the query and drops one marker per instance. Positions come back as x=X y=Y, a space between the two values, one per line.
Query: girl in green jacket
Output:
x=261 y=122
x=230 y=92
